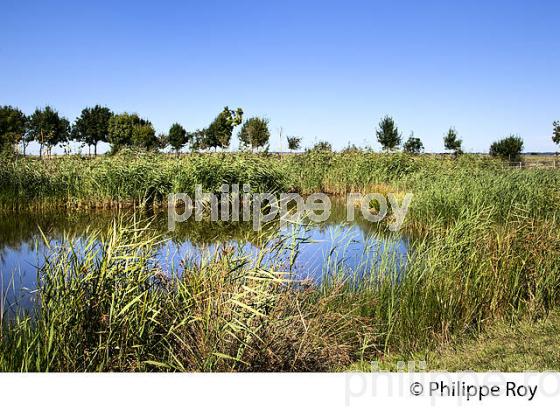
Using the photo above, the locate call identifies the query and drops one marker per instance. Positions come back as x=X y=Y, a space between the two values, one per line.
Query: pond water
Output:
x=354 y=248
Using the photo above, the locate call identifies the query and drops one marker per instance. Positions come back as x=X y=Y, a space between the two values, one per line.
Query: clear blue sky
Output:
x=319 y=69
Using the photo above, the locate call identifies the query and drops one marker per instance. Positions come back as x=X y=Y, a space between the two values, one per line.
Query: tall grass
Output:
x=109 y=306
x=127 y=179
x=487 y=247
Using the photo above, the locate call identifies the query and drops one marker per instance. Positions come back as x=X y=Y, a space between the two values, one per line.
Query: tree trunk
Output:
x=95 y=149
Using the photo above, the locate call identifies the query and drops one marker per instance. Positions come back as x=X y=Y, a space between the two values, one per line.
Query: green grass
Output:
x=526 y=345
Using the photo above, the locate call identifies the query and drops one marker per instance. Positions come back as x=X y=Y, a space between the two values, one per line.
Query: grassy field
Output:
x=526 y=345
x=487 y=254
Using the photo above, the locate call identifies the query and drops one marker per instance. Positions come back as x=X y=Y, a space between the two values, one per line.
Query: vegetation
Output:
x=92 y=126
x=218 y=134
x=254 y=133
x=48 y=128
x=508 y=148
x=486 y=254
x=321 y=146
x=526 y=345
x=178 y=137
x=12 y=127
x=127 y=130
x=452 y=142
x=294 y=143
x=388 y=134
x=556 y=132
x=486 y=251
x=413 y=145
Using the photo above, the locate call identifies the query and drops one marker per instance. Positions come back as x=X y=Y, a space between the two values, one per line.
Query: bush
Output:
x=508 y=148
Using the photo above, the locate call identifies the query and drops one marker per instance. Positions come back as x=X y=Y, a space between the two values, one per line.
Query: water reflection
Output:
x=354 y=249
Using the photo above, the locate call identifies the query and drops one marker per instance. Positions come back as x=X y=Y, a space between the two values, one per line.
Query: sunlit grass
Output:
x=486 y=250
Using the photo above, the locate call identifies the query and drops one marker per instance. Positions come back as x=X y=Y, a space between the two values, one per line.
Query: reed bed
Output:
x=108 y=306
x=487 y=248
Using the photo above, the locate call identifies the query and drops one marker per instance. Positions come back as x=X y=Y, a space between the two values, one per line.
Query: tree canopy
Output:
x=177 y=137
x=144 y=136
x=508 y=148
x=294 y=143
x=413 y=145
x=12 y=126
x=388 y=134
x=92 y=126
x=322 y=146
x=452 y=142
x=556 y=132
x=48 y=128
x=218 y=134
x=254 y=133
x=126 y=130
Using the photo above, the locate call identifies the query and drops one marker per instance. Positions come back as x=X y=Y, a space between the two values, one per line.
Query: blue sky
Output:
x=319 y=69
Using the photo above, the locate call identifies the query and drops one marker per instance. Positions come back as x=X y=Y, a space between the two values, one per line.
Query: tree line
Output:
x=509 y=148
x=99 y=124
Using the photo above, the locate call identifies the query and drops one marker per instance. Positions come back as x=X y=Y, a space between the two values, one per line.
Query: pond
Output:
x=354 y=248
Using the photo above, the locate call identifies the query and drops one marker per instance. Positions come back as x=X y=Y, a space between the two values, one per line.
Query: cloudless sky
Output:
x=320 y=69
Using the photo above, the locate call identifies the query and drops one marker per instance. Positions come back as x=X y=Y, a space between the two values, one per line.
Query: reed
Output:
x=109 y=306
x=486 y=248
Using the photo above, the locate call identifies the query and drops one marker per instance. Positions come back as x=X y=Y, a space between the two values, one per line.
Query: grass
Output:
x=486 y=254
x=528 y=345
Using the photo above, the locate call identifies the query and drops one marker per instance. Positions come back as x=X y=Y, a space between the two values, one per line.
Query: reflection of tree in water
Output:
x=22 y=228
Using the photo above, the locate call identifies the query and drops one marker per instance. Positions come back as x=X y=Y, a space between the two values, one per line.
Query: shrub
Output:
x=508 y=148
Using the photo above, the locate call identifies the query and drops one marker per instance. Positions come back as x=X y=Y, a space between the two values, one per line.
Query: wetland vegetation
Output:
x=486 y=249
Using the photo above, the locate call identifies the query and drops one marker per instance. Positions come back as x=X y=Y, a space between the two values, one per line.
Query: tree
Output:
x=452 y=142
x=122 y=131
x=12 y=126
x=198 y=140
x=177 y=137
x=294 y=143
x=48 y=128
x=388 y=134
x=413 y=145
x=254 y=133
x=92 y=126
x=144 y=136
x=218 y=134
x=508 y=148
x=322 y=146
x=556 y=132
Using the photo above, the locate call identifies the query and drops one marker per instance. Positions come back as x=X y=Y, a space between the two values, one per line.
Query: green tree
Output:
x=13 y=125
x=198 y=140
x=322 y=146
x=122 y=131
x=413 y=145
x=452 y=142
x=177 y=137
x=218 y=134
x=556 y=132
x=48 y=128
x=294 y=143
x=388 y=134
x=254 y=133
x=92 y=126
x=144 y=136
x=508 y=148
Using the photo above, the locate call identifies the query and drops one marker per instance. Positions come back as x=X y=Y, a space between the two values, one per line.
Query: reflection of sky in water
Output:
x=336 y=248
x=342 y=248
